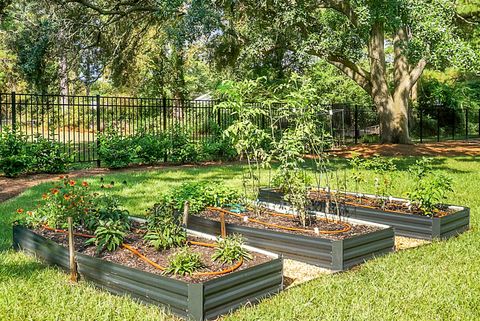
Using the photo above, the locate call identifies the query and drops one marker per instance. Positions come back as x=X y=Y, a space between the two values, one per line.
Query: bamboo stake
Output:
x=71 y=250
x=223 y=229
x=186 y=210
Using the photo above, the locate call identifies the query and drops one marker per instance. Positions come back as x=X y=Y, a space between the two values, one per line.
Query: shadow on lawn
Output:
x=17 y=270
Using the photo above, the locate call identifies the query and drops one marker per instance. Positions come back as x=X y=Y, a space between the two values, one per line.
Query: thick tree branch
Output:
x=417 y=71
x=352 y=70
x=342 y=6
x=130 y=7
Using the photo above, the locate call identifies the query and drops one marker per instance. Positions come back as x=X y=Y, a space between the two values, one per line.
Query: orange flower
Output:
x=66 y=196
x=71 y=183
x=29 y=213
x=55 y=191
x=20 y=210
x=84 y=184
x=44 y=196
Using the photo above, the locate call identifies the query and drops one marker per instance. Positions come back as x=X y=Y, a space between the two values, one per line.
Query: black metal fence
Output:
x=352 y=124
x=76 y=121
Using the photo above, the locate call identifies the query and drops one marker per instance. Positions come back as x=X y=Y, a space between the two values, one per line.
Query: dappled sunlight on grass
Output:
x=436 y=281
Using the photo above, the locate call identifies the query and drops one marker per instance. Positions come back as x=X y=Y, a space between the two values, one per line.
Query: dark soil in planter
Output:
x=289 y=222
x=394 y=206
x=135 y=239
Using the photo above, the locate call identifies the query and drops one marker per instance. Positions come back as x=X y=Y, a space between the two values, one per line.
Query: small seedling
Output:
x=184 y=263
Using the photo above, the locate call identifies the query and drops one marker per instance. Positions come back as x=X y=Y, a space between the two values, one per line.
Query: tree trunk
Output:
x=392 y=110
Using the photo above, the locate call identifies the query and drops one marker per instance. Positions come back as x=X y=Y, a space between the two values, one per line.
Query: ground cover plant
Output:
x=434 y=280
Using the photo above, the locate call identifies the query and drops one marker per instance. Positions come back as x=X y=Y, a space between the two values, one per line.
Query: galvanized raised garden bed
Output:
x=409 y=225
x=196 y=301
x=336 y=255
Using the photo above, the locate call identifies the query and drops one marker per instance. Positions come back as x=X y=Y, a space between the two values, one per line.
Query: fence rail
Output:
x=76 y=121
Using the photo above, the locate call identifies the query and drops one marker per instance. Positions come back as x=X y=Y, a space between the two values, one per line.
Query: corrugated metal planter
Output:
x=195 y=301
x=416 y=226
x=336 y=255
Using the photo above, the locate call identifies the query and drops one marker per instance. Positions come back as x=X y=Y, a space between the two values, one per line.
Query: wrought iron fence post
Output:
x=466 y=123
x=14 y=111
x=421 y=125
x=479 y=122
x=98 y=128
x=453 y=125
x=356 y=124
x=164 y=125
x=438 y=124
x=218 y=118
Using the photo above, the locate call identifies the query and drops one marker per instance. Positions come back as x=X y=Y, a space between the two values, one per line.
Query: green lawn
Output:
x=435 y=282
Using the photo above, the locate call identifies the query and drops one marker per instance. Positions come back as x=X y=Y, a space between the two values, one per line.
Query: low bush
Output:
x=115 y=151
x=15 y=158
x=48 y=156
x=182 y=149
x=151 y=149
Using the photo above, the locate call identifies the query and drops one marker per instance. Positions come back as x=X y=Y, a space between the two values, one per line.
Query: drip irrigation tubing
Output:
x=152 y=263
x=346 y=227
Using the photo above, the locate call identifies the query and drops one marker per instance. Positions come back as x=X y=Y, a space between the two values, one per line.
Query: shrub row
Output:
x=19 y=156
x=175 y=145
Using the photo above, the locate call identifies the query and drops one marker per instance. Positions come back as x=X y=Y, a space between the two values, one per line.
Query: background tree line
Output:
x=365 y=52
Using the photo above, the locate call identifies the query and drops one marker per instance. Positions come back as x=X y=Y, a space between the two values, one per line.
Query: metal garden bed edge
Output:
x=335 y=255
x=193 y=301
x=409 y=225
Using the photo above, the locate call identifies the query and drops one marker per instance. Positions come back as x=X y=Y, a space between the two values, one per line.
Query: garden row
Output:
x=230 y=254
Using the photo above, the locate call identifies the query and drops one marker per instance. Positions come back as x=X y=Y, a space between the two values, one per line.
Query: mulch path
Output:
x=446 y=148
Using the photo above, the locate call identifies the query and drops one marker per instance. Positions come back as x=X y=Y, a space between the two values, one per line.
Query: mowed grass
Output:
x=439 y=281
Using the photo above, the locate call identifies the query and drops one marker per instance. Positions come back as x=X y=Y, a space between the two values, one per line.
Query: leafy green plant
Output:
x=429 y=189
x=105 y=208
x=430 y=192
x=230 y=249
x=109 y=235
x=200 y=195
x=15 y=158
x=217 y=146
x=68 y=198
x=182 y=150
x=356 y=175
x=49 y=156
x=114 y=150
x=151 y=149
x=184 y=262
x=164 y=227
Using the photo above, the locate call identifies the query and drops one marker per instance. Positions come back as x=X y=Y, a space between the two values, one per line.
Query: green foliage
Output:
x=151 y=149
x=164 y=227
x=105 y=208
x=200 y=195
x=230 y=249
x=184 y=262
x=430 y=189
x=64 y=200
x=181 y=149
x=384 y=169
x=15 y=158
x=115 y=151
x=49 y=156
x=218 y=146
x=357 y=164
x=109 y=235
